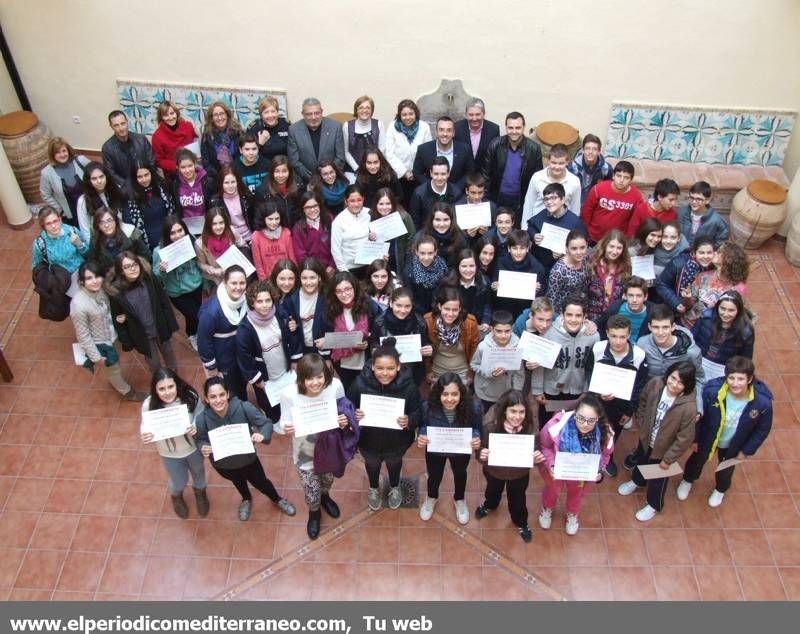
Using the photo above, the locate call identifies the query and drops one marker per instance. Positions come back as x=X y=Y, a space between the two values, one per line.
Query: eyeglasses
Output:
x=130 y=267
x=697 y=199
x=106 y=221
x=310 y=207
x=585 y=421
x=345 y=291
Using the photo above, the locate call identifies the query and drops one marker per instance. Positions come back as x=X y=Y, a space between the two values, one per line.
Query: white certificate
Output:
x=554 y=238
x=230 y=440
x=539 y=349
x=511 y=450
x=517 y=285
x=508 y=358
x=643 y=266
x=78 y=354
x=409 y=347
x=233 y=256
x=712 y=370
x=381 y=411
x=449 y=440
x=127 y=229
x=368 y=251
x=195 y=224
x=177 y=253
x=314 y=417
x=471 y=216
x=275 y=388
x=388 y=227
x=576 y=466
x=609 y=379
x=342 y=339
x=194 y=146
x=727 y=464
x=167 y=422
x=654 y=471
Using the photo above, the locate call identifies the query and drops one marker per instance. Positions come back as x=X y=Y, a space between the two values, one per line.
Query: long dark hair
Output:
x=487 y=238
x=113 y=193
x=457 y=239
x=140 y=195
x=186 y=393
x=325 y=219
x=509 y=399
x=166 y=228
x=334 y=307
x=464 y=407
x=385 y=172
x=741 y=329
x=369 y=286
x=241 y=188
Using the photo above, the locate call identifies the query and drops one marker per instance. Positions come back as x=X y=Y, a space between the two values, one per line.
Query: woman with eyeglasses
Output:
x=582 y=431
x=141 y=310
x=109 y=240
x=311 y=234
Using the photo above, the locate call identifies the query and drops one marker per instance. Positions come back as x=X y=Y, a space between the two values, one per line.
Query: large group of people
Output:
x=290 y=321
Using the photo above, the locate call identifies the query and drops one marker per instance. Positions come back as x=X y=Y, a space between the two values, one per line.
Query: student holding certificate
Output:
x=184 y=284
x=555 y=214
x=385 y=377
x=584 y=431
x=449 y=405
x=493 y=380
x=311 y=234
x=454 y=337
x=221 y=409
x=272 y=240
x=517 y=258
x=400 y=319
x=737 y=418
x=379 y=283
x=312 y=454
x=570 y=274
x=386 y=204
x=179 y=455
x=510 y=415
x=217 y=237
x=264 y=344
x=666 y=415
x=305 y=307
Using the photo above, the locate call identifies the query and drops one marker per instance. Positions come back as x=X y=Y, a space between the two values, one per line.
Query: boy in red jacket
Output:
x=610 y=204
x=661 y=206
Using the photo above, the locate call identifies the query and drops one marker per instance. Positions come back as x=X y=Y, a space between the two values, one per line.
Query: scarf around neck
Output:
x=217 y=245
x=233 y=310
x=396 y=326
x=572 y=441
x=334 y=194
x=409 y=133
x=430 y=276
x=448 y=335
x=259 y=321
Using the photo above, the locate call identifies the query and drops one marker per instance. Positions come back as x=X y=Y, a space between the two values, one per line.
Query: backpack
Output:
x=51 y=282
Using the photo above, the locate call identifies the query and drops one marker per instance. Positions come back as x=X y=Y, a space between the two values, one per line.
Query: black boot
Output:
x=179 y=506
x=313 y=523
x=201 y=499
x=329 y=506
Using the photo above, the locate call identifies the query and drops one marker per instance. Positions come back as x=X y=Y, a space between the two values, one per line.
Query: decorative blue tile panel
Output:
x=699 y=135
x=139 y=100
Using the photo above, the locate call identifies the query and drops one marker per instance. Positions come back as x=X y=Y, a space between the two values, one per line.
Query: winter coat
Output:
x=290 y=309
x=470 y=338
x=550 y=441
x=278 y=137
x=437 y=418
x=216 y=338
x=567 y=221
x=635 y=360
x=100 y=253
x=179 y=281
x=119 y=158
x=167 y=142
x=91 y=317
x=249 y=354
x=239 y=413
x=676 y=432
x=489 y=426
x=568 y=375
x=711 y=225
x=208 y=154
x=308 y=242
x=494 y=164
x=51 y=187
x=590 y=176
x=725 y=347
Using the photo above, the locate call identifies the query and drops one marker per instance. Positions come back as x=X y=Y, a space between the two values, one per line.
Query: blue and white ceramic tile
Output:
x=672 y=133
x=139 y=100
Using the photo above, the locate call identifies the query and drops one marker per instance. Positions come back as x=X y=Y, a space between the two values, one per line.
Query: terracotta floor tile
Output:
x=166 y=577
x=784 y=417
x=149 y=469
x=554 y=578
x=377 y=544
x=40 y=569
x=695 y=511
x=133 y=535
x=626 y=547
x=499 y=585
x=416 y=582
x=33 y=400
x=80 y=463
x=67 y=496
x=6 y=485
x=249 y=540
x=460 y=583
x=174 y=537
x=791 y=582
x=618 y=511
x=54 y=531
x=117 y=465
x=29 y=494
x=290 y=537
x=718 y=583
x=242 y=569
x=632 y=583
x=787 y=443
x=105 y=498
x=791 y=473
x=90 y=432
x=507 y=542
x=42 y=462
x=144 y=499
x=24 y=594
x=344 y=549
x=420 y=545
x=123 y=574
x=667 y=547
x=206 y=577
x=295 y=584
x=55 y=430
x=66 y=595
x=591 y=584
x=777 y=511
x=19 y=429
x=785 y=546
x=761 y=583
x=708 y=547
x=548 y=548
x=333 y=582
x=675 y=583
x=215 y=539
x=738 y=511
x=10 y=560
x=376 y=582
x=94 y=533
x=16 y=528
x=749 y=547
x=12 y=457
x=120 y=436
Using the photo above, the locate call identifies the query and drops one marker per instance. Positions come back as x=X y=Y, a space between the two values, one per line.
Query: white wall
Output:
x=551 y=59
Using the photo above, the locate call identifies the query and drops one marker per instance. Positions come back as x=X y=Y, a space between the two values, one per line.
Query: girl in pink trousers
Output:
x=584 y=430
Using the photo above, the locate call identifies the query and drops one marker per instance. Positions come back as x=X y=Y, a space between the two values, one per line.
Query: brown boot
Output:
x=179 y=506
x=201 y=499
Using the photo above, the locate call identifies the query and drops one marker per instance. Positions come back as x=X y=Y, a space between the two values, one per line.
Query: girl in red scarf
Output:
x=217 y=237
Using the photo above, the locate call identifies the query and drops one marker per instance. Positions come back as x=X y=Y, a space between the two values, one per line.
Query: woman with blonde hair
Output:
x=173 y=133
x=270 y=129
x=61 y=183
x=362 y=132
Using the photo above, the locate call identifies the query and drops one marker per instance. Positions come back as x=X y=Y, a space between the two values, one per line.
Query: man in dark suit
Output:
x=509 y=164
x=458 y=154
x=475 y=130
x=437 y=189
x=125 y=149
x=314 y=139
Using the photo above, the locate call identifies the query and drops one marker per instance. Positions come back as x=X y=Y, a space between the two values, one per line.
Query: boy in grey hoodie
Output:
x=491 y=383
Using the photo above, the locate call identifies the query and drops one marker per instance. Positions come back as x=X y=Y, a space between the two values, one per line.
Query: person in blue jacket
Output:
x=737 y=420
x=699 y=218
x=449 y=405
x=219 y=320
x=674 y=283
x=264 y=344
x=725 y=331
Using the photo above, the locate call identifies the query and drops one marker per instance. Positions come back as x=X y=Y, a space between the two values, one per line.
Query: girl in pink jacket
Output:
x=272 y=241
x=585 y=431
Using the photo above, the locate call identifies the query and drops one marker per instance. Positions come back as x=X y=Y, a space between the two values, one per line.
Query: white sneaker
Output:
x=545 y=518
x=683 y=490
x=426 y=510
x=626 y=488
x=715 y=499
x=646 y=513
x=374 y=500
x=193 y=342
x=462 y=512
x=572 y=526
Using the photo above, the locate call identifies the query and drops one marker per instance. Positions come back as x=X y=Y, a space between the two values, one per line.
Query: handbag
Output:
x=51 y=282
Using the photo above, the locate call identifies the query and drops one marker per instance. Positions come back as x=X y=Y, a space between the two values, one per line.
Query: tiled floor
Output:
x=85 y=513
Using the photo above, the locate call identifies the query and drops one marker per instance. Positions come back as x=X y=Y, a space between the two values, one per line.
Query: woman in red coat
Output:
x=172 y=134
